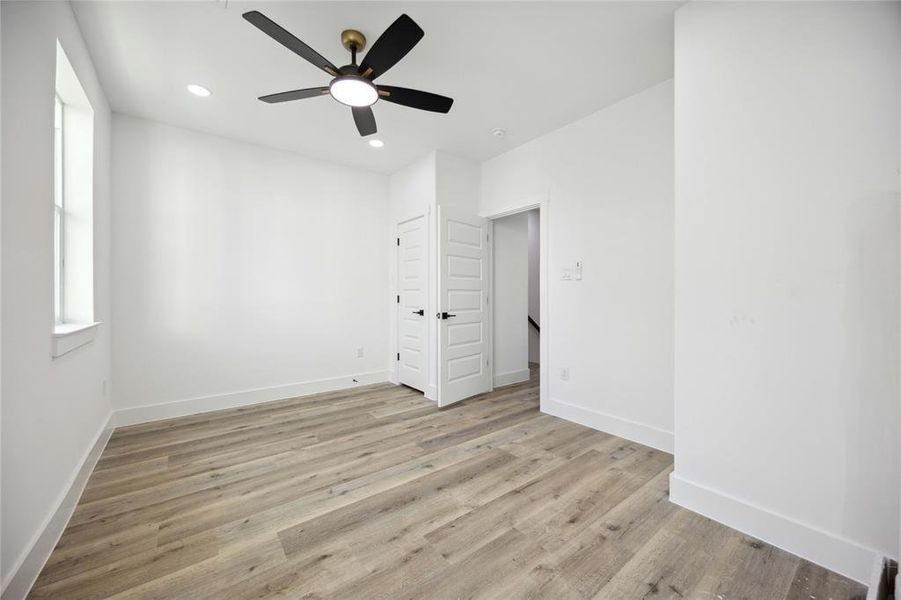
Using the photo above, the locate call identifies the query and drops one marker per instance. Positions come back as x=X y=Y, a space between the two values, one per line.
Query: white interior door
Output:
x=412 y=299
x=463 y=330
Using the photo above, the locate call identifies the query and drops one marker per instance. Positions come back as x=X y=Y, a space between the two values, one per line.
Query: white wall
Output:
x=241 y=273
x=418 y=189
x=534 y=283
x=787 y=273
x=412 y=190
x=412 y=193
x=457 y=182
x=609 y=182
x=511 y=299
x=53 y=409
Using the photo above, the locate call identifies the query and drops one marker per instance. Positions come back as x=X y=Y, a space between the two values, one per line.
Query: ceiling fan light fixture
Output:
x=353 y=90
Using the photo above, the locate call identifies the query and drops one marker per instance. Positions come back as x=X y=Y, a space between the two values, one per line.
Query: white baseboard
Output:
x=826 y=549
x=431 y=393
x=191 y=406
x=24 y=573
x=624 y=428
x=511 y=377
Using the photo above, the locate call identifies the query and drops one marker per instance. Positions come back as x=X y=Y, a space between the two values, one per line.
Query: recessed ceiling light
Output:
x=498 y=132
x=376 y=143
x=199 y=90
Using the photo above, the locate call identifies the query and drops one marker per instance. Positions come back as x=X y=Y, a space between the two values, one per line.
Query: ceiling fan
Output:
x=353 y=84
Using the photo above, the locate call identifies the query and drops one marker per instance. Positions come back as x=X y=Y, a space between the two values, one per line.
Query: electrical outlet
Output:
x=360 y=352
x=578 y=271
x=564 y=374
x=566 y=274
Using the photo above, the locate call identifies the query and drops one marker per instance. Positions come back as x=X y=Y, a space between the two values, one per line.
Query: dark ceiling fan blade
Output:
x=415 y=98
x=364 y=119
x=289 y=41
x=295 y=95
x=393 y=45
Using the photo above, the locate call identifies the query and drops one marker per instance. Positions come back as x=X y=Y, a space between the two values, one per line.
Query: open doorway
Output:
x=482 y=285
x=516 y=298
x=534 y=290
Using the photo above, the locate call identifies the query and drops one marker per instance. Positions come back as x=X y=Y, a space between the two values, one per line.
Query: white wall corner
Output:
x=640 y=433
x=829 y=550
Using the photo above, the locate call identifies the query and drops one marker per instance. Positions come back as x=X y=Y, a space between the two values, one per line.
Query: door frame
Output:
x=542 y=203
x=427 y=344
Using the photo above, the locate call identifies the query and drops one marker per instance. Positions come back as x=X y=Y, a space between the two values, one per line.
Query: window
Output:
x=58 y=212
x=73 y=211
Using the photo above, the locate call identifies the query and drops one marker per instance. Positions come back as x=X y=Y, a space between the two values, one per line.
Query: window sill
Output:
x=69 y=336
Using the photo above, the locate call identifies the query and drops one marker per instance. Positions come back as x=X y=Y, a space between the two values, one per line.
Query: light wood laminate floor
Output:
x=375 y=493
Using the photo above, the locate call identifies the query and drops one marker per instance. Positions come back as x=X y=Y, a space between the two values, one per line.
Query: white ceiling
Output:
x=526 y=67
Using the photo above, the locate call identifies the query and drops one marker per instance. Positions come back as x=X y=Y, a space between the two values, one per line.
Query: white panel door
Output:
x=463 y=344
x=412 y=300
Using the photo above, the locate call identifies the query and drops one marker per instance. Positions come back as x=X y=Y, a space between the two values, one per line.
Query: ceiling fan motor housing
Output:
x=352 y=39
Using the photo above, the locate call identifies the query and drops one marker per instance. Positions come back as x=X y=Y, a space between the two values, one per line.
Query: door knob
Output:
x=419 y=312
x=444 y=315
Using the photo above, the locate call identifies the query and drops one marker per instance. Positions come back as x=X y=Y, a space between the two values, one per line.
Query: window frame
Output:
x=71 y=314
x=59 y=212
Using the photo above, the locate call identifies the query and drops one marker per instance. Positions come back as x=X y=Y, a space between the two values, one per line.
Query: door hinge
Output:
x=398 y=241
x=398 y=299
x=398 y=356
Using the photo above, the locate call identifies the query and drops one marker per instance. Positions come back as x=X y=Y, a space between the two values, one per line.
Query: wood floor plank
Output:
x=490 y=572
x=376 y=493
x=746 y=568
x=816 y=583
x=672 y=562
x=215 y=576
x=399 y=578
x=545 y=495
x=401 y=500
x=580 y=561
x=119 y=575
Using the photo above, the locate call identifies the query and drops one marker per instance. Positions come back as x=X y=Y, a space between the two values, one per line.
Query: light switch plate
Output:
x=567 y=274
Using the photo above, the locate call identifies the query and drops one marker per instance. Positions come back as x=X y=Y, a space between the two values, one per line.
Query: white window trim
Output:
x=59 y=215
x=69 y=336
